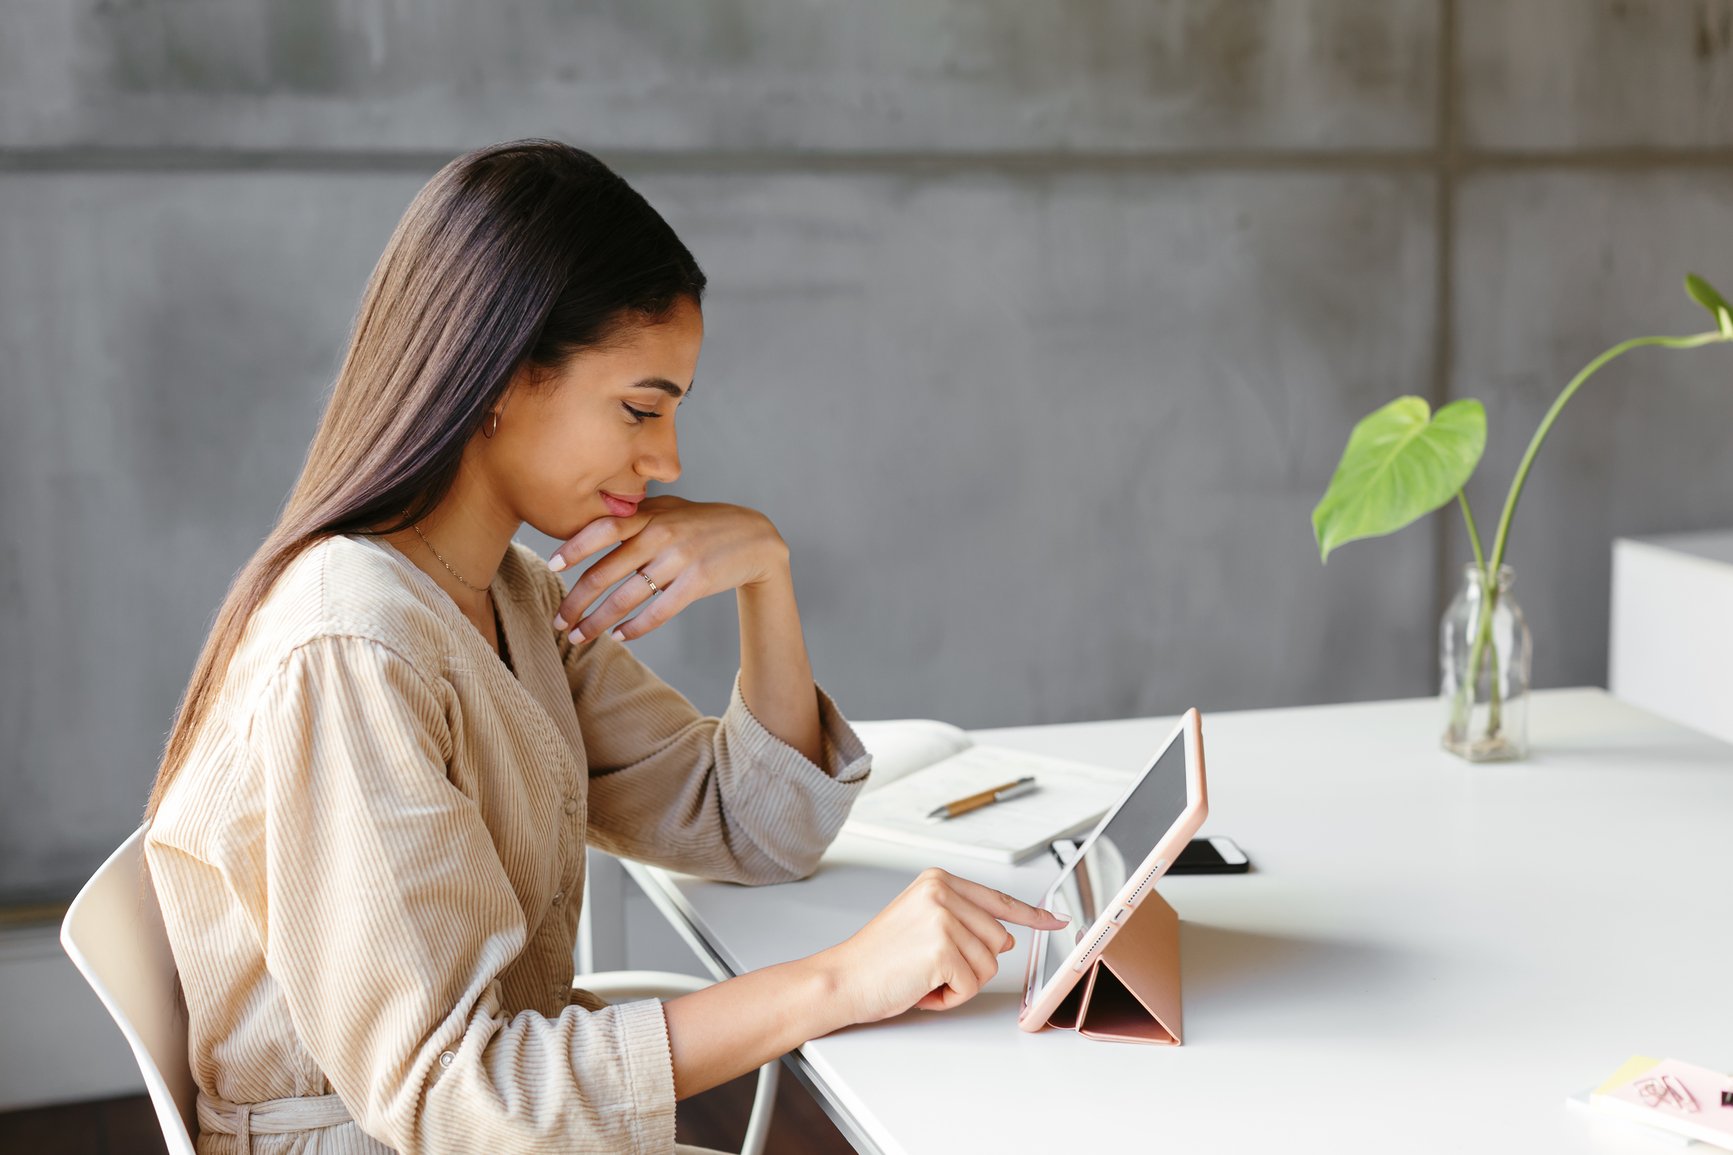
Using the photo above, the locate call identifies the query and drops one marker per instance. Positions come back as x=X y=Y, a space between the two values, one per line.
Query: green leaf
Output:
x=1706 y=295
x=1402 y=462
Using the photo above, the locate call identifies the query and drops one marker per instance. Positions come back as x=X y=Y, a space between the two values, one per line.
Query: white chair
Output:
x=114 y=934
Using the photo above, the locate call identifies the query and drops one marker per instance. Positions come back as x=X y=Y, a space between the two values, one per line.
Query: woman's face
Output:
x=576 y=435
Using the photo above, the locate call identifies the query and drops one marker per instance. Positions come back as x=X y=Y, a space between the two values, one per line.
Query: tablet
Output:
x=1113 y=869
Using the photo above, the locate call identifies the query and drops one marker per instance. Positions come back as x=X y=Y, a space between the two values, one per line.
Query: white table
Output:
x=1428 y=956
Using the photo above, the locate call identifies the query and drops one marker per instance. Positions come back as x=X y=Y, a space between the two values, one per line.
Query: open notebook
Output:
x=920 y=764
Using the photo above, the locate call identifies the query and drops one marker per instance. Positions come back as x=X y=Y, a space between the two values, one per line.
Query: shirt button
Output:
x=445 y=1059
x=572 y=805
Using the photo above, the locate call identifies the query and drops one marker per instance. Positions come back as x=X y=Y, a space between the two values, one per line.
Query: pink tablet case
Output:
x=1130 y=994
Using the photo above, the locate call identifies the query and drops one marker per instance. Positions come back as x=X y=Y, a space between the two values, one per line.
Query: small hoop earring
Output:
x=492 y=426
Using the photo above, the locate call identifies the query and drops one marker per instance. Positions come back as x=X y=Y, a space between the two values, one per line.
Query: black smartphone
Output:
x=1216 y=855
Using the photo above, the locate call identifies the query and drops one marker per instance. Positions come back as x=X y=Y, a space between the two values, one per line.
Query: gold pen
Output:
x=1015 y=789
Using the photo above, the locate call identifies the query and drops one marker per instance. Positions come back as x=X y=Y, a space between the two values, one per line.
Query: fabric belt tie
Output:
x=269 y=1116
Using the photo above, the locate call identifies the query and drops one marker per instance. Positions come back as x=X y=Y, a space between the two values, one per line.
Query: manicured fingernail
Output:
x=556 y=563
x=559 y=622
x=576 y=635
x=1055 y=917
x=617 y=636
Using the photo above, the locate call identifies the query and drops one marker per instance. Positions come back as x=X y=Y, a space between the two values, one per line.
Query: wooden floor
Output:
x=716 y=1119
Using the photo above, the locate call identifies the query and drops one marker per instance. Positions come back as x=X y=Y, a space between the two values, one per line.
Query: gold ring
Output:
x=656 y=589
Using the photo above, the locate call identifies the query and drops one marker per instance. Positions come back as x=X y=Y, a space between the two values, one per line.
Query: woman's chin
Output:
x=565 y=527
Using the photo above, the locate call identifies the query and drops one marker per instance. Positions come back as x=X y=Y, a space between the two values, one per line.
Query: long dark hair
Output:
x=515 y=255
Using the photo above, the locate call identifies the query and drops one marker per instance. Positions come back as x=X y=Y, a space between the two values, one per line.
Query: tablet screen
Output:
x=1117 y=848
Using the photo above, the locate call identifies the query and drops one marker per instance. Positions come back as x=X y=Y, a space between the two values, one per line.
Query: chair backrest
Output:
x=114 y=934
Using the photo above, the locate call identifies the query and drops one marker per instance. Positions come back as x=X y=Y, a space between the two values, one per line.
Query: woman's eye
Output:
x=638 y=415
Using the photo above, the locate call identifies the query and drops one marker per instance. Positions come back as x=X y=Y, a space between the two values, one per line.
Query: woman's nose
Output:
x=662 y=462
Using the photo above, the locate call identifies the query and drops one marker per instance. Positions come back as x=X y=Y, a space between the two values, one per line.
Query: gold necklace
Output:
x=488 y=588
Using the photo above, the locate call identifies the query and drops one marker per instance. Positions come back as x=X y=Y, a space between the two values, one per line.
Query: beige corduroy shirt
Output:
x=370 y=867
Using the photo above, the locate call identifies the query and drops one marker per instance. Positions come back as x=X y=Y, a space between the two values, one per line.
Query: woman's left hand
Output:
x=689 y=549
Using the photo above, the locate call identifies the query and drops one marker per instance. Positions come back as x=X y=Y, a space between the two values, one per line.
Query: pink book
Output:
x=1673 y=1096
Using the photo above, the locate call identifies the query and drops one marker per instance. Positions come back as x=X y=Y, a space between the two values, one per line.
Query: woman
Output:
x=368 y=831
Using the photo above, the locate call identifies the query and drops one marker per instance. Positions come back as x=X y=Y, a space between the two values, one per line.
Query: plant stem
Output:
x=1469 y=690
x=1490 y=566
x=1473 y=533
x=1546 y=424
x=1466 y=692
x=1494 y=691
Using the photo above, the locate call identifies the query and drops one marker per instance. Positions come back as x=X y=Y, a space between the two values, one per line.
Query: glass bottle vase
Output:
x=1485 y=652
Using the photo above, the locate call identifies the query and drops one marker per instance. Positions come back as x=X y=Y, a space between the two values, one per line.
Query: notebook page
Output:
x=1069 y=795
x=901 y=746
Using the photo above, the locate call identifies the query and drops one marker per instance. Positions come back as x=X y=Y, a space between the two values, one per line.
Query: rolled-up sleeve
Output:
x=720 y=797
x=390 y=920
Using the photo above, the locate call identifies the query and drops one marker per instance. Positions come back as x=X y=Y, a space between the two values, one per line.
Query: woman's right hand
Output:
x=933 y=947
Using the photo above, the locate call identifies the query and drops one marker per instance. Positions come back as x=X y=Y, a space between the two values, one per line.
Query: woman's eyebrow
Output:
x=664 y=385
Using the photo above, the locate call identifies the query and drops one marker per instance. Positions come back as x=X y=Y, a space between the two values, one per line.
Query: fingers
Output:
x=974 y=936
x=935 y=946
x=1001 y=905
x=982 y=962
x=662 y=607
x=607 y=572
x=596 y=536
x=989 y=930
x=965 y=966
x=677 y=543
x=631 y=594
x=933 y=1000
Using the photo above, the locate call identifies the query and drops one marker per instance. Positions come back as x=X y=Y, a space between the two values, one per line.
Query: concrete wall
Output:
x=1037 y=328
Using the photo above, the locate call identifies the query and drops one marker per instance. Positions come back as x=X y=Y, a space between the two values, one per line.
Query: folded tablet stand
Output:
x=1130 y=994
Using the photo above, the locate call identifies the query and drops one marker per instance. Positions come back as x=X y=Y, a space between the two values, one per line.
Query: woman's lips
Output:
x=620 y=507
